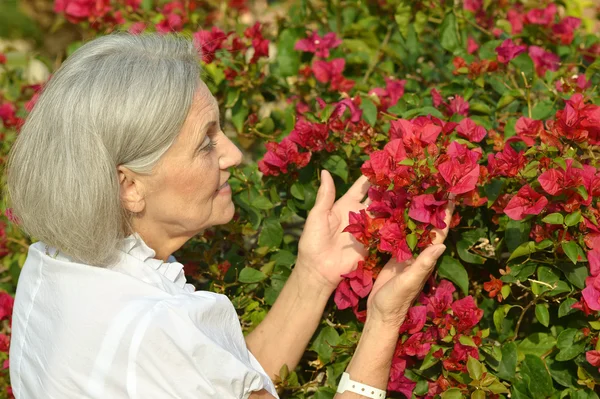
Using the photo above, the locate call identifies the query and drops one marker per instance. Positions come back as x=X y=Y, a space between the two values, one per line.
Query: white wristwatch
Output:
x=346 y=384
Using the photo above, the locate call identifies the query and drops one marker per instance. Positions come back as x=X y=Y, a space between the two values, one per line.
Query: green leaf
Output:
x=524 y=249
x=262 y=202
x=287 y=59
x=508 y=365
x=323 y=343
x=563 y=373
x=542 y=314
x=297 y=191
x=523 y=63
x=271 y=234
x=543 y=110
x=249 y=275
x=569 y=348
x=452 y=393
x=463 y=247
x=537 y=344
x=554 y=218
x=429 y=359
x=467 y=341
x=475 y=368
x=337 y=166
x=565 y=307
x=573 y=218
x=573 y=251
x=239 y=113
x=369 y=110
x=448 y=33
x=540 y=383
x=576 y=274
x=517 y=232
x=454 y=271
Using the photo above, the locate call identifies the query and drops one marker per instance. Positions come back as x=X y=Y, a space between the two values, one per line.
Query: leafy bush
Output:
x=489 y=104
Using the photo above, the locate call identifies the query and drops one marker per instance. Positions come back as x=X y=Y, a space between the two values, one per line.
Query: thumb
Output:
x=417 y=273
x=326 y=194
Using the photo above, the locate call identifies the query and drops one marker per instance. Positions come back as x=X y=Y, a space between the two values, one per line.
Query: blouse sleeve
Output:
x=192 y=347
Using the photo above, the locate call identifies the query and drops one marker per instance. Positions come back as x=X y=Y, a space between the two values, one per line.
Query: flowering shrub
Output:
x=492 y=105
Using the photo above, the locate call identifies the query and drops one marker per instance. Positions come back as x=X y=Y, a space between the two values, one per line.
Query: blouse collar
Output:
x=134 y=246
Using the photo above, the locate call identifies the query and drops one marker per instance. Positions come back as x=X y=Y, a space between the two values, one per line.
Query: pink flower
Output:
x=393 y=240
x=312 y=136
x=344 y=297
x=6 y=305
x=507 y=163
x=81 y=10
x=415 y=320
x=593 y=358
x=473 y=5
x=137 y=28
x=467 y=312
x=259 y=43
x=458 y=105
x=472 y=45
x=594 y=259
x=318 y=45
x=438 y=303
x=393 y=91
x=280 y=156
x=565 y=28
x=423 y=130
x=516 y=21
x=342 y=106
x=325 y=70
x=541 y=16
x=417 y=345
x=509 y=50
x=527 y=201
x=543 y=60
x=360 y=279
x=461 y=171
x=528 y=130
x=591 y=292
x=471 y=131
x=208 y=42
x=426 y=209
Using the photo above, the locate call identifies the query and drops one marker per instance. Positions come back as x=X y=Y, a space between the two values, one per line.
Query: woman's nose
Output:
x=230 y=155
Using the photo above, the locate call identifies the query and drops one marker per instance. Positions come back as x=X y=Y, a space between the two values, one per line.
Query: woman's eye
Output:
x=208 y=144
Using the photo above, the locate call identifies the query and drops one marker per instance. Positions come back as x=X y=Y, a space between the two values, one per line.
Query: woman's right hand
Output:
x=399 y=283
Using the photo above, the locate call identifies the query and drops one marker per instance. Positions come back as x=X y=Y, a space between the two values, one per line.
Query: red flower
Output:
x=280 y=156
x=417 y=345
x=4 y=343
x=591 y=292
x=594 y=259
x=529 y=129
x=421 y=129
x=472 y=45
x=392 y=92
x=393 y=240
x=208 y=42
x=362 y=227
x=458 y=105
x=509 y=50
x=318 y=45
x=360 y=279
x=438 y=303
x=6 y=305
x=259 y=43
x=2 y=59
x=344 y=297
x=565 y=28
x=473 y=5
x=467 y=312
x=325 y=70
x=516 y=20
x=543 y=60
x=415 y=320
x=527 y=201
x=81 y=10
x=461 y=171
x=541 y=16
x=425 y=208
x=312 y=136
x=470 y=130
x=593 y=358
x=493 y=287
x=459 y=356
x=507 y=163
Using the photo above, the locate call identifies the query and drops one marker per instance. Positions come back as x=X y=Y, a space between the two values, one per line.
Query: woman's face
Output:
x=188 y=191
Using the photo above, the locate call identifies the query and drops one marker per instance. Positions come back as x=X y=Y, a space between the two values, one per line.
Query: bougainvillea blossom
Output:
x=509 y=50
x=527 y=201
x=280 y=156
x=318 y=45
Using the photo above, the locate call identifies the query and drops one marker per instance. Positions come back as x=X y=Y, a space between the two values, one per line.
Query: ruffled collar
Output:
x=137 y=248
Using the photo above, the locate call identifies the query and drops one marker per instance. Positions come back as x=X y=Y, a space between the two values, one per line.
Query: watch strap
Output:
x=346 y=384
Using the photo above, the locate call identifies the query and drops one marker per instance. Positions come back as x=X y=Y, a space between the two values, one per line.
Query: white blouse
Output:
x=136 y=330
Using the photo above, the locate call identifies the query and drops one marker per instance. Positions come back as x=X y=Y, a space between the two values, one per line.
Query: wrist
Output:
x=312 y=281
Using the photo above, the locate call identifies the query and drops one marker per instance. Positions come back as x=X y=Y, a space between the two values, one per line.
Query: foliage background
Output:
x=532 y=343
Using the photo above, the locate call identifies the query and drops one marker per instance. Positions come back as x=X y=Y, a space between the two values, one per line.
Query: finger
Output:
x=359 y=189
x=415 y=275
x=326 y=194
x=441 y=234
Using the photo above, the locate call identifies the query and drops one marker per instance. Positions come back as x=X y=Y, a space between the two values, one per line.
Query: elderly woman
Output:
x=119 y=164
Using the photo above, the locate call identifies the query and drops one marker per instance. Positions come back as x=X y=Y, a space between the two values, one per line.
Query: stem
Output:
x=19 y=242
x=529 y=305
x=528 y=91
x=378 y=54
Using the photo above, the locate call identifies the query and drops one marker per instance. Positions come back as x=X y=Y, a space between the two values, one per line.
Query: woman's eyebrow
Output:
x=203 y=131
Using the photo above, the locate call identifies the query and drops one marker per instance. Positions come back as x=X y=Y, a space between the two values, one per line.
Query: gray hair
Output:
x=120 y=99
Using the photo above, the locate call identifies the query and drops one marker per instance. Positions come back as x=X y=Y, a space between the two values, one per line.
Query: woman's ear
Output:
x=131 y=190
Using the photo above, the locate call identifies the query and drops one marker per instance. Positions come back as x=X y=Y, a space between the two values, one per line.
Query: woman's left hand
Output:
x=325 y=252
